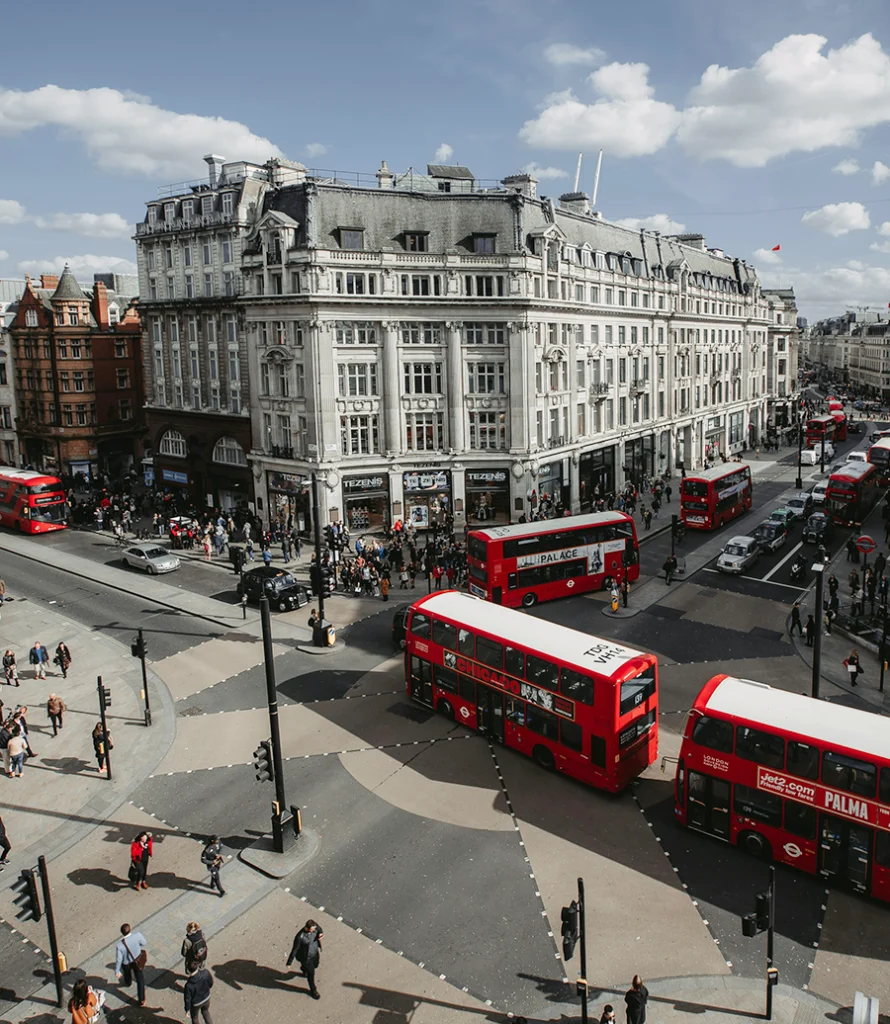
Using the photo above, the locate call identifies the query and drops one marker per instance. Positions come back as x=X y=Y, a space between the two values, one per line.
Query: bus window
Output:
x=465 y=643
x=755 y=803
x=476 y=548
x=489 y=652
x=598 y=751
x=514 y=662
x=541 y=672
x=515 y=711
x=635 y=691
x=545 y=723
x=467 y=687
x=444 y=634
x=885 y=786
x=576 y=685
x=800 y=820
x=847 y=773
x=446 y=679
x=882 y=848
x=761 y=747
x=420 y=626
x=803 y=760
x=713 y=734
x=570 y=735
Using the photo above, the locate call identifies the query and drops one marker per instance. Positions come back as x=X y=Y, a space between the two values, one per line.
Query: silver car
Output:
x=150 y=558
x=738 y=555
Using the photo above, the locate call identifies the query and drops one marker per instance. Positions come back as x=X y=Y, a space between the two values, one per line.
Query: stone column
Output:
x=521 y=389
x=322 y=386
x=392 y=433
x=455 y=360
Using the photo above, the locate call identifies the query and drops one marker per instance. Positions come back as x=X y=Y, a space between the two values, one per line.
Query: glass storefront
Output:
x=639 y=459
x=427 y=497
x=553 y=483
x=366 y=499
x=596 y=476
x=488 y=497
x=289 y=501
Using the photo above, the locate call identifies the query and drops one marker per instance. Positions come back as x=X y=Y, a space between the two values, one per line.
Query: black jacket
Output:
x=194 y=949
x=636 y=999
x=197 y=989
x=306 y=949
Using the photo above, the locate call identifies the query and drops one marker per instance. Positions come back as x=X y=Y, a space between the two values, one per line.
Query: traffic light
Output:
x=262 y=761
x=138 y=647
x=327 y=579
x=27 y=898
x=105 y=696
x=754 y=924
x=569 y=929
x=314 y=578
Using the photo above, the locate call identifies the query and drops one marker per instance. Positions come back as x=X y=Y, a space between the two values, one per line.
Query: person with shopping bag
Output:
x=85 y=1003
x=851 y=663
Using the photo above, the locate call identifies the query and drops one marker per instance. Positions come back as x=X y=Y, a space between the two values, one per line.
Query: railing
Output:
x=207 y=220
x=599 y=389
x=280 y=451
x=179 y=188
x=556 y=442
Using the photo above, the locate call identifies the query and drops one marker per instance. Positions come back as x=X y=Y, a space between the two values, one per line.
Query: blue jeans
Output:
x=16 y=762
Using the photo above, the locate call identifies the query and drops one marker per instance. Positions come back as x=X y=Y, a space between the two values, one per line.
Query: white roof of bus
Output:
x=590 y=653
x=820 y=720
x=716 y=472
x=883 y=442
x=551 y=525
x=24 y=474
x=852 y=471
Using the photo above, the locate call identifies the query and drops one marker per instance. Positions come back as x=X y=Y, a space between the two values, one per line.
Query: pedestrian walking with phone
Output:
x=141 y=849
x=131 y=958
x=306 y=950
x=212 y=859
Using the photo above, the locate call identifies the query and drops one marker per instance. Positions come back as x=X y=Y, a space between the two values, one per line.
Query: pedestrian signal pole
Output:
x=59 y=963
x=104 y=702
x=574 y=928
x=281 y=835
x=764 y=920
x=137 y=649
x=819 y=569
x=28 y=908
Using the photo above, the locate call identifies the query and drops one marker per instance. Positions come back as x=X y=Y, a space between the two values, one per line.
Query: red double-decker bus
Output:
x=840 y=425
x=31 y=502
x=786 y=777
x=819 y=427
x=532 y=562
x=879 y=457
x=852 y=492
x=714 y=496
x=573 y=702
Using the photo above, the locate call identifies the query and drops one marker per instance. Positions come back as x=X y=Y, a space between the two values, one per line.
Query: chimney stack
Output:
x=212 y=160
x=100 y=304
x=49 y=281
x=384 y=176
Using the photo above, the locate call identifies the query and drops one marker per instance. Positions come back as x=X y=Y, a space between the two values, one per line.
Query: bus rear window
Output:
x=476 y=548
x=635 y=691
x=695 y=489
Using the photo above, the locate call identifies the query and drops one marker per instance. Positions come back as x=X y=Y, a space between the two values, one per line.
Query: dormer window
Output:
x=188 y=210
x=484 y=243
x=352 y=238
x=228 y=202
x=206 y=205
x=152 y=215
x=169 y=212
x=30 y=318
x=416 y=241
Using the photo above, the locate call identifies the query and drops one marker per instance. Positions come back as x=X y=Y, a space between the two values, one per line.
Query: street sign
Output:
x=865 y=544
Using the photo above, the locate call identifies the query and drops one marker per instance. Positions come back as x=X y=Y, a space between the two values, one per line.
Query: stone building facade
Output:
x=782 y=356
x=78 y=378
x=426 y=344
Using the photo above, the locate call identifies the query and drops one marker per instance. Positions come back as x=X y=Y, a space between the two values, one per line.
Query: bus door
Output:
x=708 y=805
x=845 y=850
x=490 y=712
x=421 y=680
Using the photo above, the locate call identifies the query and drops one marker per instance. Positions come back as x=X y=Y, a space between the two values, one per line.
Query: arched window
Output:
x=228 y=451
x=173 y=443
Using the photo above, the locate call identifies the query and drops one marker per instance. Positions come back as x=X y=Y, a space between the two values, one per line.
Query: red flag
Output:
x=776 y=248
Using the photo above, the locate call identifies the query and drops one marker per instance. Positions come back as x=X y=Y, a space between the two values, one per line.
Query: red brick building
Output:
x=78 y=379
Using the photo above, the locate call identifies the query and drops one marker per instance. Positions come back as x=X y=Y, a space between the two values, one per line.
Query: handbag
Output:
x=140 y=961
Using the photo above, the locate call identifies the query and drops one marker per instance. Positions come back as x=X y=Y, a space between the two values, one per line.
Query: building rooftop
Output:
x=68 y=288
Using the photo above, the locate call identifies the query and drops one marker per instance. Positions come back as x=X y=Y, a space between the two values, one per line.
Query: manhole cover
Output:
x=191 y=712
x=410 y=711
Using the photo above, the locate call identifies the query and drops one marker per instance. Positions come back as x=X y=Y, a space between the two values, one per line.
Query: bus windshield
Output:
x=695 y=488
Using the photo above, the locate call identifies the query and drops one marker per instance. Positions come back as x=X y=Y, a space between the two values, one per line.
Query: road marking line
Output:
x=779 y=565
x=757 y=579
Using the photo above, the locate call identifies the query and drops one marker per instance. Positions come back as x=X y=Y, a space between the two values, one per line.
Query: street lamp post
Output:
x=819 y=570
x=798 y=483
x=883 y=650
x=280 y=816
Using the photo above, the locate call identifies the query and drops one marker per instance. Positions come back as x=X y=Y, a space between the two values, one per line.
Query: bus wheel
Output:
x=446 y=710
x=544 y=757
x=529 y=600
x=608 y=583
x=756 y=845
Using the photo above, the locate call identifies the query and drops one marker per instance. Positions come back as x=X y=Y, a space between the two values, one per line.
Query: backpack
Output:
x=194 y=952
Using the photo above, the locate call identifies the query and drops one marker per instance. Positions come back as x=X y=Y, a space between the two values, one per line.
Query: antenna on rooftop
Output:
x=578 y=173
x=596 y=179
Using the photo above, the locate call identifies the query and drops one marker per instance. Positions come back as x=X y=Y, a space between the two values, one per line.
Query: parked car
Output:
x=818 y=493
x=801 y=504
x=770 y=535
x=400 y=626
x=282 y=589
x=818 y=528
x=150 y=558
x=783 y=515
x=739 y=554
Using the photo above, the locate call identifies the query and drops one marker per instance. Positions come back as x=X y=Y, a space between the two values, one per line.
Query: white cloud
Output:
x=838 y=218
x=126 y=132
x=443 y=154
x=767 y=257
x=316 y=149
x=12 y=212
x=83 y=267
x=561 y=54
x=884 y=229
x=4 y=255
x=543 y=173
x=625 y=121
x=879 y=173
x=880 y=246
x=836 y=288
x=657 y=222
x=847 y=167
x=93 y=225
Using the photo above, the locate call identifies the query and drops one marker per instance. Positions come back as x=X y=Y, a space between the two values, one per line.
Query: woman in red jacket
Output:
x=140 y=851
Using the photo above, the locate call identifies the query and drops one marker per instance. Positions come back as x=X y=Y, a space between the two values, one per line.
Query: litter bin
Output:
x=323 y=634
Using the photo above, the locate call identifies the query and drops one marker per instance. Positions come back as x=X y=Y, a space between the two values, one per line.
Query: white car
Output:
x=857 y=456
x=739 y=554
x=813 y=456
x=818 y=494
x=150 y=558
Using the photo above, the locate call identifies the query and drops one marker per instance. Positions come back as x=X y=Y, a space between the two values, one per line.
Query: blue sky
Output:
x=757 y=125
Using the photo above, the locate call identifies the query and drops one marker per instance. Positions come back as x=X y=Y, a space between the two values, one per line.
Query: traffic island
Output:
x=262 y=857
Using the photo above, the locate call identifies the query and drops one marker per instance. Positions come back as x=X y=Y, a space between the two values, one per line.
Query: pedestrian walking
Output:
x=403 y=579
x=795 y=620
x=85 y=1003
x=670 y=567
x=10 y=668
x=102 y=743
x=635 y=999
x=285 y=549
x=880 y=563
x=5 y=737
x=17 y=748
x=384 y=588
x=212 y=859
x=194 y=946
x=132 y=955
x=854 y=669
x=608 y=1014
x=248 y=547
x=141 y=850
x=810 y=630
x=828 y=618
x=63 y=658
x=38 y=657
x=267 y=556
x=306 y=950
x=196 y=994
x=668 y=491
x=5 y=845
x=833 y=584
x=55 y=709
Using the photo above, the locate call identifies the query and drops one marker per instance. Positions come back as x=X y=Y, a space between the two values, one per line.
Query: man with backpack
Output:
x=212 y=859
x=194 y=947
